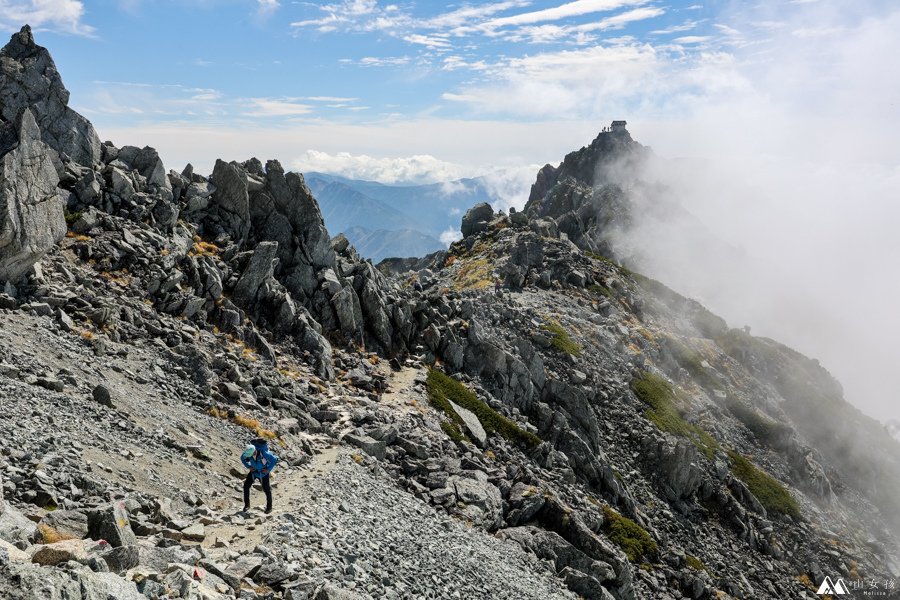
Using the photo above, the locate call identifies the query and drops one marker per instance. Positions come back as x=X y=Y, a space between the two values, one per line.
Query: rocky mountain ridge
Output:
x=580 y=431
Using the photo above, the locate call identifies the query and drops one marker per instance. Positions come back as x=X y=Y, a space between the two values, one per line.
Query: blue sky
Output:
x=457 y=85
x=352 y=60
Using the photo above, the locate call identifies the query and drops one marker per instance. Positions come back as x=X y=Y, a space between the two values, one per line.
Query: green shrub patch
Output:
x=633 y=539
x=768 y=490
x=442 y=389
x=663 y=412
x=560 y=339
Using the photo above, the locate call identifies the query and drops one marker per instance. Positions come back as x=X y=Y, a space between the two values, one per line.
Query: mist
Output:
x=796 y=183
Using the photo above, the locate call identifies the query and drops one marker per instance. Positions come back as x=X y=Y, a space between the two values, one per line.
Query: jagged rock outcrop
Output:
x=476 y=219
x=230 y=202
x=31 y=210
x=29 y=79
x=253 y=205
x=612 y=158
x=589 y=196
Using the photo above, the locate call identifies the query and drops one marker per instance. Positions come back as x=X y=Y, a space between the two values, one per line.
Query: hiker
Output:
x=260 y=461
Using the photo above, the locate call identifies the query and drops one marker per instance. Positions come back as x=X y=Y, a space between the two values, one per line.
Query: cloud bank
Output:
x=58 y=15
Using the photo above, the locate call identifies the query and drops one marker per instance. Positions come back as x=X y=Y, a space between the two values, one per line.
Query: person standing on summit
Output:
x=260 y=461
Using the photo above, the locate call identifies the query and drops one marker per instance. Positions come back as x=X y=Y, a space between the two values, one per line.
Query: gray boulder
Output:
x=679 y=474
x=15 y=527
x=482 y=501
x=61 y=552
x=231 y=200
x=31 y=210
x=29 y=79
x=582 y=573
x=146 y=161
x=476 y=219
x=102 y=395
x=72 y=523
x=153 y=558
x=259 y=270
x=370 y=446
x=525 y=501
x=111 y=523
x=329 y=592
x=473 y=425
x=34 y=582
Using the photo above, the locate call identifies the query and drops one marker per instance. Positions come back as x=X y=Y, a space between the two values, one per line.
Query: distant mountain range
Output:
x=384 y=221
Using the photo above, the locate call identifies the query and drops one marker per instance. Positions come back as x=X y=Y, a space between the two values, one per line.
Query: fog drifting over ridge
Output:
x=803 y=174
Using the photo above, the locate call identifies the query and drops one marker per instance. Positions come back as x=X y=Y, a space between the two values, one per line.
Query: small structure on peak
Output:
x=617 y=126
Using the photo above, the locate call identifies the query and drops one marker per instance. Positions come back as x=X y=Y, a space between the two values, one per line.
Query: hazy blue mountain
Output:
x=429 y=209
x=344 y=207
x=387 y=243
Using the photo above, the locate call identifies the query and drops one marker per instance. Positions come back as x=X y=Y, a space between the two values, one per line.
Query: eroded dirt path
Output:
x=241 y=531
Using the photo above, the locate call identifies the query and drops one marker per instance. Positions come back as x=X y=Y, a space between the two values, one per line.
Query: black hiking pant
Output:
x=267 y=488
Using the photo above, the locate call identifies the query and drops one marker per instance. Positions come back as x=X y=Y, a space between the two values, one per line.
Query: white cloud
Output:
x=435 y=33
x=578 y=34
x=174 y=103
x=422 y=168
x=265 y=8
x=340 y=99
x=569 y=9
x=453 y=62
x=452 y=234
x=692 y=39
x=379 y=61
x=727 y=30
x=159 y=101
x=686 y=26
x=355 y=15
x=429 y=41
x=511 y=186
x=470 y=13
x=470 y=147
x=622 y=19
x=807 y=32
x=58 y=15
x=272 y=107
x=584 y=82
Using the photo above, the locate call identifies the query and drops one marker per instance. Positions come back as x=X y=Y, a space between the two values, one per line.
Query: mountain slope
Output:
x=615 y=207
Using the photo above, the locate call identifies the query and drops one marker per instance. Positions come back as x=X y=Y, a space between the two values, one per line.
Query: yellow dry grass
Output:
x=244 y=421
x=473 y=275
x=202 y=248
x=49 y=535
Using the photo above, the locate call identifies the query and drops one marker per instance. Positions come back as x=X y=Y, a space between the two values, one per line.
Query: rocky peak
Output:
x=29 y=79
x=610 y=158
x=22 y=46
